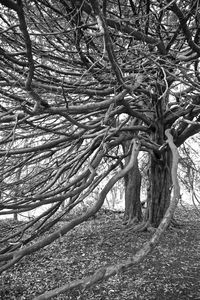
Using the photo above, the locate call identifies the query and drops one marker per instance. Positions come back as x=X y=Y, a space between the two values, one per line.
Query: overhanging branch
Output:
x=106 y=272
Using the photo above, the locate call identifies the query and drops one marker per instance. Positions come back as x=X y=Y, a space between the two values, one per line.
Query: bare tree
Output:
x=73 y=74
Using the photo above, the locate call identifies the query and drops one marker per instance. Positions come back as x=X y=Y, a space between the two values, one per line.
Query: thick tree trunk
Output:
x=133 y=212
x=160 y=187
x=158 y=192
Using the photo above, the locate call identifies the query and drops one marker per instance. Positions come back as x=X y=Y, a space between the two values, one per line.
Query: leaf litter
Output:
x=171 y=271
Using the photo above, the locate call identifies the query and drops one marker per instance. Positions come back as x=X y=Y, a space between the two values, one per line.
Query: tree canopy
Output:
x=79 y=78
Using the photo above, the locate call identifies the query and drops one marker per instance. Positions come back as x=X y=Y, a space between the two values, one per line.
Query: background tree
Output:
x=72 y=76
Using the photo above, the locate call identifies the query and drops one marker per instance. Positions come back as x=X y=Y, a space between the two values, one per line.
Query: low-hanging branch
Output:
x=12 y=258
x=106 y=272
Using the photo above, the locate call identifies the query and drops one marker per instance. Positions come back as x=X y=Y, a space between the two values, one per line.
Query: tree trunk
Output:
x=133 y=212
x=15 y=216
x=160 y=169
x=160 y=187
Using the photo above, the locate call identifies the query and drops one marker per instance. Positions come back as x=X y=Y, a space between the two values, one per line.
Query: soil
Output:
x=171 y=271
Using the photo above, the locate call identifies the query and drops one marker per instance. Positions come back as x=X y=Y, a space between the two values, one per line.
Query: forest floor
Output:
x=171 y=271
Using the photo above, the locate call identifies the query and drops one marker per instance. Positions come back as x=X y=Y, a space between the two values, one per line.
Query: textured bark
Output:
x=133 y=212
x=160 y=187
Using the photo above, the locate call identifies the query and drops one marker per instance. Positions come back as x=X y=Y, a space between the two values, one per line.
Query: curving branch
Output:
x=17 y=255
x=97 y=70
x=183 y=23
x=27 y=40
x=107 y=41
x=106 y=272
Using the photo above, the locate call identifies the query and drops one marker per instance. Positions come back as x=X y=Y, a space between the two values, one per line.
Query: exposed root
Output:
x=131 y=221
x=174 y=224
x=146 y=226
x=139 y=227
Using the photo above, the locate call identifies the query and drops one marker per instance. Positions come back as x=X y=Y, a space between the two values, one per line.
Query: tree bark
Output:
x=133 y=212
x=132 y=186
x=160 y=187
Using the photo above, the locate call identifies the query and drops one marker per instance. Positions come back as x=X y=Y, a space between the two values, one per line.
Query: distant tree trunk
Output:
x=133 y=212
x=17 y=192
x=15 y=216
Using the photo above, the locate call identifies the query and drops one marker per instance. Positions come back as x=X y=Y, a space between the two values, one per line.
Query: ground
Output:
x=171 y=271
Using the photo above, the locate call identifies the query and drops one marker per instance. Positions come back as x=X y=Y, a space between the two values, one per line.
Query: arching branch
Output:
x=106 y=272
